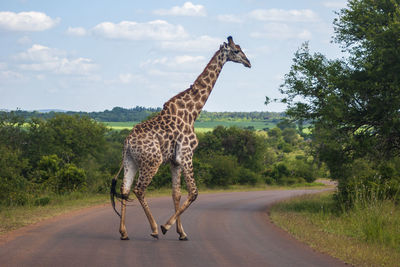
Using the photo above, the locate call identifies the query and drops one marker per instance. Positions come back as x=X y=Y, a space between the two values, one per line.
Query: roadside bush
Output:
x=246 y=176
x=71 y=138
x=71 y=178
x=46 y=172
x=14 y=188
x=162 y=178
x=292 y=180
x=369 y=182
x=269 y=180
x=302 y=169
x=42 y=201
x=246 y=146
x=202 y=170
x=223 y=171
x=278 y=172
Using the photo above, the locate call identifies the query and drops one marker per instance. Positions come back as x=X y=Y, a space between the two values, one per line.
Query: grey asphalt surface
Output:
x=225 y=229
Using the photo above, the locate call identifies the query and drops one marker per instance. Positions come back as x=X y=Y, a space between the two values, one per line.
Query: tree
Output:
x=354 y=102
x=13 y=186
x=71 y=138
x=358 y=96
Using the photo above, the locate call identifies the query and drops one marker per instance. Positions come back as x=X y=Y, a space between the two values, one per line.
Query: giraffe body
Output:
x=170 y=138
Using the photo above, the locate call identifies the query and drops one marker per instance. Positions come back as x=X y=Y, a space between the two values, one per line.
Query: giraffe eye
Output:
x=236 y=51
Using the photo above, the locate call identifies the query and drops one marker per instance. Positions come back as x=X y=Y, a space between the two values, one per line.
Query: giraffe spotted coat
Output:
x=169 y=137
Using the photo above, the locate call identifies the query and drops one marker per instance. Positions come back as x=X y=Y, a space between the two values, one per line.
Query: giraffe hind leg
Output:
x=146 y=174
x=130 y=170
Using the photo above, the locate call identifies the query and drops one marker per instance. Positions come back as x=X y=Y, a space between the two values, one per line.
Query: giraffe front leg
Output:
x=192 y=195
x=139 y=192
x=176 y=197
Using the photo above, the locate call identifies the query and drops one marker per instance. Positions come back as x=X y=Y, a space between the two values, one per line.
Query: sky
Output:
x=95 y=55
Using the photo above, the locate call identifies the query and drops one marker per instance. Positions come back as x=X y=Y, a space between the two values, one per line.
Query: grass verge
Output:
x=363 y=236
x=14 y=217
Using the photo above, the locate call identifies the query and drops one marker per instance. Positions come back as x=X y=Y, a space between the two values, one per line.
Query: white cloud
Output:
x=229 y=18
x=78 y=31
x=178 y=61
x=188 y=9
x=335 y=4
x=24 y=40
x=26 y=21
x=130 y=30
x=262 y=50
x=281 y=31
x=125 y=78
x=6 y=74
x=41 y=77
x=40 y=53
x=304 y=34
x=10 y=75
x=202 y=43
x=3 y=65
x=293 y=15
x=42 y=58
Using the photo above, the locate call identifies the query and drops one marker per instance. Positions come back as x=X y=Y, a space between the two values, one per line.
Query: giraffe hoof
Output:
x=124 y=238
x=155 y=236
x=184 y=238
x=163 y=229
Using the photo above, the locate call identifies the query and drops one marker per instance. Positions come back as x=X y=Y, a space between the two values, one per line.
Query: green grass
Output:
x=201 y=126
x=363 y=236
x=121 y=125
x=258 y=125
x=15 y=217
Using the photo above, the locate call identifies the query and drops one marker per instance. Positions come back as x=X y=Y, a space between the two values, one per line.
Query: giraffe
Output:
x=170 y=138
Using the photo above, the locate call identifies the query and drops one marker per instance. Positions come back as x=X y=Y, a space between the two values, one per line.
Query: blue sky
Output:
x=95 y=55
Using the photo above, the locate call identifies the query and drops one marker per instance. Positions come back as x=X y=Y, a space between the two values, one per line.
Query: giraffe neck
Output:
x=188 y=104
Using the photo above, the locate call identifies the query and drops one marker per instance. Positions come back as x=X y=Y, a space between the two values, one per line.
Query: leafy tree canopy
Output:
x=355 y=98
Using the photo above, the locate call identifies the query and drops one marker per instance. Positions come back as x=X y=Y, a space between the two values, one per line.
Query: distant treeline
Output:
x=116 y=114
x=140 y=113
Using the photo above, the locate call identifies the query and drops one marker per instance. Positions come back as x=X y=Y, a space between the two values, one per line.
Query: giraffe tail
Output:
x=113 y=192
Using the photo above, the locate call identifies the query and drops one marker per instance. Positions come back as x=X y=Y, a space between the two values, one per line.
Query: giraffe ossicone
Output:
x=170 y=138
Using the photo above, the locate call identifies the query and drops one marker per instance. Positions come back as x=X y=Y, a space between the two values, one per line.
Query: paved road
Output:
x=226 y=229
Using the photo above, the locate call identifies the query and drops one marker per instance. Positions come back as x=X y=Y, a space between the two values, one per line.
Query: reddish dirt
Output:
x=226 y=229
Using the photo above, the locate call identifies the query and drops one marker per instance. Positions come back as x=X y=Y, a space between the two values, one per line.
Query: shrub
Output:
x=278 y=172
x=202 y=171
x=162 y=178
x=368 y=182
x=46 y=172
x=223 y=171
x=303 y=169
x=42 y=201
x=71 y=178
x=246 y=176
x=268 y=180
x=14 y=188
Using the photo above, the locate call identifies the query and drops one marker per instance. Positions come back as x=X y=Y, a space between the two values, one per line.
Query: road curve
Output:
x=226 y=229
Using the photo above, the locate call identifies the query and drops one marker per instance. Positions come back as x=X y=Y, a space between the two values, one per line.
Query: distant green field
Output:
x=121 y=125
x=202 y=126
x=258 y=125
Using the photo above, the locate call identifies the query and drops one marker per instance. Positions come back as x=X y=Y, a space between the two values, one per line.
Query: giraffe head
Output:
x=234 y=53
